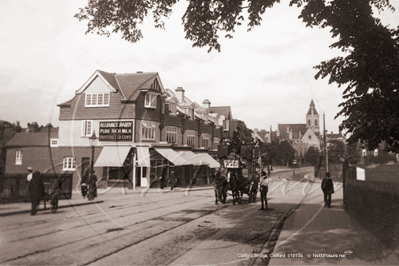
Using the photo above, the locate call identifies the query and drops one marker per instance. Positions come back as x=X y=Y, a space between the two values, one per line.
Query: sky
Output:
x=266 y=75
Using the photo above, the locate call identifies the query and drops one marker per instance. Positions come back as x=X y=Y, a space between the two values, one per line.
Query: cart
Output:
x=52 y=199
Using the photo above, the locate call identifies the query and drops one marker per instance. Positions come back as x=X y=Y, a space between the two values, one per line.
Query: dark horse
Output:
x=233 y=184
x=220 y=186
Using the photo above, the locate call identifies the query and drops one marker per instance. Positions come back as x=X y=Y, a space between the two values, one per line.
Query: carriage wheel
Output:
x=54 y=204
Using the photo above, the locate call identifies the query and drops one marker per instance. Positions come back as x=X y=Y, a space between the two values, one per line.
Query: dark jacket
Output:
x=327 y=186
x=36 y=187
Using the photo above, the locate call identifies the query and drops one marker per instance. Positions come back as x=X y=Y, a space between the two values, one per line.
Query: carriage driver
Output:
x=264 y=187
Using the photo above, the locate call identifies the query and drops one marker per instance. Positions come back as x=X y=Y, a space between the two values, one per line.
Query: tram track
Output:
x=78 y=240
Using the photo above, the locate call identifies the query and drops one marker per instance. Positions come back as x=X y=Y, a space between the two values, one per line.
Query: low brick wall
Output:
x=374 y=204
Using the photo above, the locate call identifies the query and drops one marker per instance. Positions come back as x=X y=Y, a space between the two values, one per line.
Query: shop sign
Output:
x=231 y=163
x=116 y=131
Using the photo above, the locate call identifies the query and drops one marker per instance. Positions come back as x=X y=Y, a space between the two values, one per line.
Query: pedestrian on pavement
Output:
x=328 y=188
x=85 y=182
x=264 y=188
x=30 y=174
x=36 y=191
x=92 y=186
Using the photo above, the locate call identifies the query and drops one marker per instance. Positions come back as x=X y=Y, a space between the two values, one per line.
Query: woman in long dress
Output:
x=92 y=186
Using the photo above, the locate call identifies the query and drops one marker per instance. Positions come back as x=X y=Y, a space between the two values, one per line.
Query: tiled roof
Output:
x=222 y=110
x=31 y=139
x=110 y=78
x=295 y=130
x=132 y=83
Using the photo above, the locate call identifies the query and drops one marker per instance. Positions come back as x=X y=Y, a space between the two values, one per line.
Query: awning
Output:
x=196 y=159
x=112 y=156
x=207 y=158
x=186 y=155
x=171 y=155
x=143 y=157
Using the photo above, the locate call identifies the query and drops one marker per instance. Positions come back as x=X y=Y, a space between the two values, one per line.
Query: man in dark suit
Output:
x=36 y=191
x=328 y=188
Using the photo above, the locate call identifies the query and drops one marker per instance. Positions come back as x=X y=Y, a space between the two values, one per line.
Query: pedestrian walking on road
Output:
x=92 y=186
x=328 y=188
x=36 y=191
x=264 y=188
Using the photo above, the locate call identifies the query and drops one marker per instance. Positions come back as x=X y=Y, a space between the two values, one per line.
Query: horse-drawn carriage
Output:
x=238 y=175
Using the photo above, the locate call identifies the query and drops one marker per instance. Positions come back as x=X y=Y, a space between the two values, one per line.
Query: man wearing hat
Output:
x=30 y=174
x=264 y=188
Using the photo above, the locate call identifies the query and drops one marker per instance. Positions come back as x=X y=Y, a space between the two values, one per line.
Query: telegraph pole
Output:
x=325 y=145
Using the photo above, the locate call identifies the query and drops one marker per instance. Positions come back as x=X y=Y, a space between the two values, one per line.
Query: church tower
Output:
x=312 y=118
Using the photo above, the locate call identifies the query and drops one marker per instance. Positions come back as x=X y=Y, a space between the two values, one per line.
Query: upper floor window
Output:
x=97 y=99
x=205 y=140
x=87 y=128
x=190 y=137
x=172 y=108
x=315 y=123
x=309 y=122
x=150 y=100
x=310 y=137
x=226 y=125
x=69 y=163
x=148 y=130
x=18 y=157
x=53 y=142
x=171 y=134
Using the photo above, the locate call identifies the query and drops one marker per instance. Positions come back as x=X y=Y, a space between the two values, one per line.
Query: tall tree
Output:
x=370 y=71
x=312 y=155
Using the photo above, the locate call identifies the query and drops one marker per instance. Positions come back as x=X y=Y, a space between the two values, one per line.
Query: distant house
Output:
x=37 y=150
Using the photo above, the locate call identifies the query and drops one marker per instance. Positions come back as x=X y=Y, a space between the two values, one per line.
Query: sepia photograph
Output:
x=199 y=132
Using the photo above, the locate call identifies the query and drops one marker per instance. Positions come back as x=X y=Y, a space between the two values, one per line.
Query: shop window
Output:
x=171 y=134
x=205 y=140
x=69 y=164
x=97 y=99
x=115 y=173
x=190 y=137
x=148 y=130
x=87 y=128
x=150 y=100
x=18 y=157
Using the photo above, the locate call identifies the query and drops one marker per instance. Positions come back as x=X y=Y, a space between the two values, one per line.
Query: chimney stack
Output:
x=180 y=94
x=206 y=104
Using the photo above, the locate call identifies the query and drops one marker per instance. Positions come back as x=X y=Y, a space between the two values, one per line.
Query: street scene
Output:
x=185 y=227
x=199 y=132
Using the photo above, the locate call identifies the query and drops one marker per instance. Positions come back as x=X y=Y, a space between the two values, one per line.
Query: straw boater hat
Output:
x=29 y=168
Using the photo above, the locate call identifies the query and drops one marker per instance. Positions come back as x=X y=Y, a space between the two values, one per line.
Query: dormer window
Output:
x=97 y=99
x=150 y=100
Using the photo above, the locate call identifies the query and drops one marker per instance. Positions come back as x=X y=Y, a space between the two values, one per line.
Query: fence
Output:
x=15 y=186
x=374 y=202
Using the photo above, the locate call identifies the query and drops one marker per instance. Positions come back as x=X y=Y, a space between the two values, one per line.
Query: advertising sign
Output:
x=116 y=131
x=231 y=163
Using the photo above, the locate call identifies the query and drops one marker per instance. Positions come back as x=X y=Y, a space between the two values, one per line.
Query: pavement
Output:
x=317 y=235
x=311 y=234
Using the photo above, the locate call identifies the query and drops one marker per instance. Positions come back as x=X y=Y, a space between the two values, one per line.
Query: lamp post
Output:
x=93 y=142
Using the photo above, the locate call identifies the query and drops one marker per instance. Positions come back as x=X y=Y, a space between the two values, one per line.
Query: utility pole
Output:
x=325 y=145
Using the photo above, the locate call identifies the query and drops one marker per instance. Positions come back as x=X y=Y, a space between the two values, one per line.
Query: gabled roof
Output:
x=132 y=84
x=31 y=139
x=222 y=110
x=295 y=130
x=129 y=85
